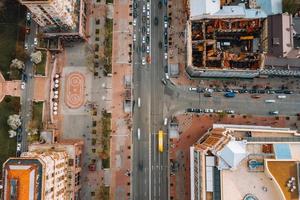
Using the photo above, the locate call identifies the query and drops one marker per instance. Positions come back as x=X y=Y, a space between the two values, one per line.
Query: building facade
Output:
x=46 y=171
x=52 y=12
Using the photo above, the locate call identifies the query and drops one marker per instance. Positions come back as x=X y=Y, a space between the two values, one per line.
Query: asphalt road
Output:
x=27 y=93
x=149 y=167
x=179 y=99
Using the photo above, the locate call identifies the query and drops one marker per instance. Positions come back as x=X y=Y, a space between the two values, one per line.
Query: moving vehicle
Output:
x=155 y=21
x=192 y=89
x=35 y=41
x=207 y=94
x=160 y=141
x=270 y=101
x=143 y=61
x=138 y=133
x=229 y=94
x=276 y=112
x=166 y=121
x=139 y=102
x=281 y=96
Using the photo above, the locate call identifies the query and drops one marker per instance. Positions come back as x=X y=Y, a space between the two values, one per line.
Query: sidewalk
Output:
x=120 y=152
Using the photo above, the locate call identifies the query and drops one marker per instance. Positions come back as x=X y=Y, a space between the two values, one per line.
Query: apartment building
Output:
x=52 y=12
x=46 y=171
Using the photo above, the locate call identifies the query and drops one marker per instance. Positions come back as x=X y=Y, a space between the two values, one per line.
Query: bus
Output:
x=160 y=141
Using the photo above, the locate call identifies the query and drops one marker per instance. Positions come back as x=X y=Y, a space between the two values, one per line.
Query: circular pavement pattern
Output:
x=75 y=90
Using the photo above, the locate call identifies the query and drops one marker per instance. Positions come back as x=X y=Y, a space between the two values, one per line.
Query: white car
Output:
x=230 y=111
x=148 y=31
x=166 y=56
x=281 y=96
x=208 y=110
x=139 y=102
x=25 y=46
x=35 y=41
x=144 y=8
x=148 y=6
x=23 y=85
x=144 y=40
x=134 y=37
x=143 y=61
x=148 y=14
x=218 y=111
x=28 y=16
x=192 y=89
x=139 y=133
x=19 y=147
x=166 y=24
x=166 y=121
x=167 y=76
x=148 y=49
x=134 y=22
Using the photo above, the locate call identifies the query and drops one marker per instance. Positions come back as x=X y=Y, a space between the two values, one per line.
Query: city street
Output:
x=149 y=165
x=27 y=94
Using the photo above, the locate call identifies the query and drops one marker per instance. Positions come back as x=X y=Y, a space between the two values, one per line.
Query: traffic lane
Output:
x=241 y=104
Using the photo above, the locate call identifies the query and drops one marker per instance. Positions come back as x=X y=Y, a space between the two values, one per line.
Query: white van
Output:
x=139 y=102
x=281 y=96
x=139 y=133
x=270 y=101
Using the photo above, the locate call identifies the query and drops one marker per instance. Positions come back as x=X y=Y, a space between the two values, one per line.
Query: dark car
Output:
x=147 y=39
x=197 y=110
x=200 y=90
x=155 y=21
x=160 y=44
x=159 y=4
x=19 y=137
x=166 y=68
x=288 y=92
x=261 y=91
x=278 y=91
x=189 y=110
x=144 y=30
x=135 y=5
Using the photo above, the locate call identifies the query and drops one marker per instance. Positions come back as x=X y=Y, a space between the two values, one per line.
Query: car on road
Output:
x=208 y=94
x=167 y=76
x=139 y=102
x=147 y=39
x=138 y=133
x=229 y=94
x=288 y=92
x=134 y=37
x=160 y=4
x=281 y=96
x=163 y=80
x=198 y=110
x=218 y=111
x=28 y=16
x=140 y=165
x=148 y=5
x=134 y=22
x=208 y=110
x=23 y=85
x=254 y=96
x=27 y=30
x=19 y=147
x=166 y=121
x=200 y=90
x=148 y=30
x=192 y=89
x=144 y=39
x=230 y=111
x=148 y=49
x=143 y=61
x=270 y=101
x=19 y=137
x=35 y=41
x=189 y=110
x=135 y=5
x=166 y=55
x=25 y=46
x=276 y=112
x=144 y=8
x=148 y=14
x=156 y=21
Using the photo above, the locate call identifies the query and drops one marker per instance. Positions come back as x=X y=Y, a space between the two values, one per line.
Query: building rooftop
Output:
x=22 y=179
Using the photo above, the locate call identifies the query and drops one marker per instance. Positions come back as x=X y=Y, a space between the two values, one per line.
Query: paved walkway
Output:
x=11 y=88
x=120 y=154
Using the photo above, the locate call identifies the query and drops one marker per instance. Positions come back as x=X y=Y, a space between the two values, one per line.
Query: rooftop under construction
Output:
x=228 y=43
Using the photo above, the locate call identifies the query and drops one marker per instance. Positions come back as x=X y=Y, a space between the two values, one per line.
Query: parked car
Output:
x=255 y=96
x=229 y=111
x=281 y=96
x=18 y=146
x=163 y=80
x=28 y=16
x=35 y=41
x=276 y=112
x=192 y=89
x=208 y=110
x=288 y=92
x=23 y=85
x=143 y=61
